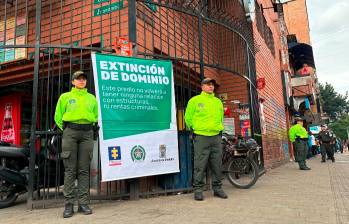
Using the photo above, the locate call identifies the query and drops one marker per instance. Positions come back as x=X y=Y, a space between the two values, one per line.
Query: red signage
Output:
x=260 y=83
x=227 y=111
x=123 y=47
x=7 y=129
x=10 y=119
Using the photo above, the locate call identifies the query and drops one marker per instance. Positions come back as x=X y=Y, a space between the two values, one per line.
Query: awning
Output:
x=301 y=54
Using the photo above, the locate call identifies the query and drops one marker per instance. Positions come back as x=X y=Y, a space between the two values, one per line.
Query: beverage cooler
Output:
x=15 y=118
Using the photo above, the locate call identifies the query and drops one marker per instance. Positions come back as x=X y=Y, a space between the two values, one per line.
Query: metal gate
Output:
x=200 y=37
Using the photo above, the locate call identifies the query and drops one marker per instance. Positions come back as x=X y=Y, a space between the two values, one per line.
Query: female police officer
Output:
x=76 y=114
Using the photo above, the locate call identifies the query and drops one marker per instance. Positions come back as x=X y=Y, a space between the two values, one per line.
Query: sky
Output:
x=329 y=32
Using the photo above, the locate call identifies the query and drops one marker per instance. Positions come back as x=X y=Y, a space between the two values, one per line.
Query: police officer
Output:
x=299 y=137
x=76 y=114
x=204 y=116
x=326 y=138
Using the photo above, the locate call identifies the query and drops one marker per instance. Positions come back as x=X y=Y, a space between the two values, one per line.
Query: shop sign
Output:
x=315 y=129
x=108 y=8
x=229 y=126
x=137 y=116
x=123 y=47
x=245 y=128
x=8 y=129
x=260 y=83
x=244 y=117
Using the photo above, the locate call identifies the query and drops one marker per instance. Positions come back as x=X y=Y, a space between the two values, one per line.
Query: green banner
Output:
x=108 y=8
x=151 y=5
x=134 y=94
x=99 y=1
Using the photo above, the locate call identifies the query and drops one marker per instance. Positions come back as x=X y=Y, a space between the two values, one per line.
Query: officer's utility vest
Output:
x=325 y=136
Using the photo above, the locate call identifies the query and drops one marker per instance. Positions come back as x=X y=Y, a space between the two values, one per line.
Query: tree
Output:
x=341 y=126
x=333 y=103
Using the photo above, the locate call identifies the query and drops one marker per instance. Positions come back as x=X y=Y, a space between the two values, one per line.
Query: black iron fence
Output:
x=43 y=42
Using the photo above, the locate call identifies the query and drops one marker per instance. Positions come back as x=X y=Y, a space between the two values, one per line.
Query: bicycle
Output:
x=238 y=161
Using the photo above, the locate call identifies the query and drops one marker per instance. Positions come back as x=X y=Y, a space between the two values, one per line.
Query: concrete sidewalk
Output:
x=282 y=195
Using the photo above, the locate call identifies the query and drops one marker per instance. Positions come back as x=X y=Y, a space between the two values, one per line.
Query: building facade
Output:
x=305 y=86
x=241 y=44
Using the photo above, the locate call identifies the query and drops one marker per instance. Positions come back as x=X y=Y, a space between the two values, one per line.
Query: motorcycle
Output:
x=241 y=159
x=14 y=169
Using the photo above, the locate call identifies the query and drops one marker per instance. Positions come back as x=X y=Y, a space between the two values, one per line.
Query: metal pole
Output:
x=132 y=24
x=201 y=51
x=34 y=104
x=250 y=93
x=132 y=36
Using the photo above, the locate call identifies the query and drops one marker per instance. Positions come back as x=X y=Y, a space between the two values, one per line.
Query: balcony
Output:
x=302 y=86
x=301 y=55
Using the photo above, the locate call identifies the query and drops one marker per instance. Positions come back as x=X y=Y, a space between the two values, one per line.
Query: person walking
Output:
x=204 y=116
x=76 y=114
x=312 y=144
x=299 y=137
x=326 y=138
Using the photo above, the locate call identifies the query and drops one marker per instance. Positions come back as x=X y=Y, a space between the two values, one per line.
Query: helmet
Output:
x=251 y=143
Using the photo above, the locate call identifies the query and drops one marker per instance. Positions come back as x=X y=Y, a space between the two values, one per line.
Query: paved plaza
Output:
x=283 y=195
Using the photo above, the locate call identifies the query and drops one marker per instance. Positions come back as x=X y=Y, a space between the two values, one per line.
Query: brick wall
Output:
x=296 y=18
x=275 y=143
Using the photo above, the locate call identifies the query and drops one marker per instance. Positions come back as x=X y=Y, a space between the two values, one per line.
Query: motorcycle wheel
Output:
x=242 y=172
x=8 y=195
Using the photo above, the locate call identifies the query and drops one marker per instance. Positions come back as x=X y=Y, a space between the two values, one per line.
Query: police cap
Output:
x=77 y=74
x=208 y=80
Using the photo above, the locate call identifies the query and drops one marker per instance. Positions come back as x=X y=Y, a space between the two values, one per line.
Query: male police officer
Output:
x=204 y=115
x=76 y=113
x=299 y=137
x=325 y=138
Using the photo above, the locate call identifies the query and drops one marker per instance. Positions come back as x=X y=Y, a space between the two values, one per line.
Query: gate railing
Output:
x=198 y=36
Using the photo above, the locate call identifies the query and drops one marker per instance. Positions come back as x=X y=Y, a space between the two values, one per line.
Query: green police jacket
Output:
x=77 y=106
x=297 y=130
x=204 y=114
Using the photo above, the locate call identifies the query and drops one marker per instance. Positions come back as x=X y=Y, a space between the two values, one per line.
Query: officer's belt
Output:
x=81 y=127
x=303 y=139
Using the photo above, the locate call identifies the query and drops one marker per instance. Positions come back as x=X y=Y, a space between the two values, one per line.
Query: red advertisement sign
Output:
x=260 y=83
x=7 y=129
x=123 y=47
x=245 y=128
x=10 y=119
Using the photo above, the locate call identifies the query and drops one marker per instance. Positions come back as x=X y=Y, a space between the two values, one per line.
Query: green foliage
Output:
x=333 y=103
x=340 y=126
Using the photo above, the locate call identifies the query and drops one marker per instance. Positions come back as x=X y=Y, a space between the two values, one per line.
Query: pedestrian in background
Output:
x=299 y=137
x=325 y=139
x=76 y=114
x=204 y=116
x=312 y=144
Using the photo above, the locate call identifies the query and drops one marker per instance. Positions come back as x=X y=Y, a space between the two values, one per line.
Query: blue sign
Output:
x=114 y=153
